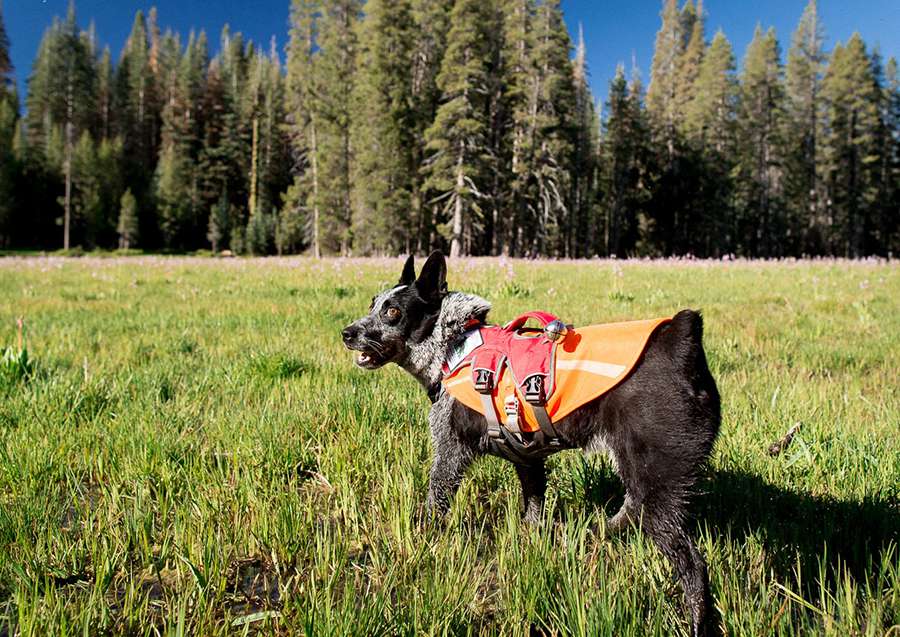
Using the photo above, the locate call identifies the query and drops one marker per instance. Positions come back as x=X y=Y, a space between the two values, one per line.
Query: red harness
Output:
x=528 y=355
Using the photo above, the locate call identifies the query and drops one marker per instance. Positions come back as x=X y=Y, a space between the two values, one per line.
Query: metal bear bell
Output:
x=556 y=331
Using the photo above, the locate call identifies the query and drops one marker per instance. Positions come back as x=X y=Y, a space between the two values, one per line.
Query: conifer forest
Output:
x=400 y=126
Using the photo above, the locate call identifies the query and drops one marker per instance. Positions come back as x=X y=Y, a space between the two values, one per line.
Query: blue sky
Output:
x=614 y=31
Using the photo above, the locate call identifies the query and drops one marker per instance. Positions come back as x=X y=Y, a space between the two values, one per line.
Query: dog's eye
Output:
x=393 y=314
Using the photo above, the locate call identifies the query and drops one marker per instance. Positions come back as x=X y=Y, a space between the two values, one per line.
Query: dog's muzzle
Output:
x=367 y=357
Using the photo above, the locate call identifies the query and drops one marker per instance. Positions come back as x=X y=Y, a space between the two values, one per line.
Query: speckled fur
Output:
x=658 y=425
x=424 y=359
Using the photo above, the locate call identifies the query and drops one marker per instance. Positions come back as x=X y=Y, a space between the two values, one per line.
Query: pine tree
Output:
x=646 y=171
x=663 y=89
x=688 y=66
x=331 y=104
x=889 y=223
x=760 y=148
x=127 y=226
x=60 y=102
x=219 y=223
x=553 y=129
x=260 y=233
x=457 y=118
x=487 y=240
x=187 y=174
x=108 y=166
x=850 y=150
x=225 y=157
x=174 y=166
x=6 y=67
x=192 y=87
x=457 y=142
x=300 y=219
x=623 y=168
x=803 y=78
x=710 y=116
x=9 y=122
x=172 y=182
x=105 y=96
x=10 y=173
x=710 y=126
x=677 y=59
x=96 y=188
x=292 y=227
x=254 y=97
x=264 y=109
x=272 y=167
x=431 y=20
x=137 y=100
x=618 y=163
x=519 y=99
x=382 y=131
x=584 y=153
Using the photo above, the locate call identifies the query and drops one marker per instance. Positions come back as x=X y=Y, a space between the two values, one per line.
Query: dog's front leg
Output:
x=447 y=472
x=451 y=458
x=533 y=478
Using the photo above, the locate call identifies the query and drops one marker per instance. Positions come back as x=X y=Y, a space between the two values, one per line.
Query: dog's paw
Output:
x=427 y=518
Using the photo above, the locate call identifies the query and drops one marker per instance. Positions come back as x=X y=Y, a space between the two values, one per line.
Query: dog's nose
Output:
x=347 y=334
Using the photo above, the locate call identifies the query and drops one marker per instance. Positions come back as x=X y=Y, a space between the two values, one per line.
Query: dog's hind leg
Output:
x=668 y=531
x=533 y=478
x=626 y=516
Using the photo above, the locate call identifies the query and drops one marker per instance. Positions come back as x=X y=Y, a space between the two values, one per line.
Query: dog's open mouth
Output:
x=369 y=360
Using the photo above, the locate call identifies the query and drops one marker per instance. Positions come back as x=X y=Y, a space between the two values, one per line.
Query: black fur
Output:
x=658 y=425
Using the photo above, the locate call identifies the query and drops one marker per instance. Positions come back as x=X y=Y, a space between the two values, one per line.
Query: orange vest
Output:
x=586 y=363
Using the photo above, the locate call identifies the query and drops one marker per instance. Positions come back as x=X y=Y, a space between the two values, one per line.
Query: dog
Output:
x=658 y=424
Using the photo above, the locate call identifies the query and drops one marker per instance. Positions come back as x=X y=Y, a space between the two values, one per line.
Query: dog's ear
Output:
x=408 y=277
x=432 y=281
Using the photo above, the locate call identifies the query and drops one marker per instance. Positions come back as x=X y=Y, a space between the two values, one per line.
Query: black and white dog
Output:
x=658 y=425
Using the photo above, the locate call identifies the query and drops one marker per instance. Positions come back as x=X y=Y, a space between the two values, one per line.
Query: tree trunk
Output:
x=67 y=220
x=253 y=170
x=854 y=226
x=456 y=240
x=317 y=250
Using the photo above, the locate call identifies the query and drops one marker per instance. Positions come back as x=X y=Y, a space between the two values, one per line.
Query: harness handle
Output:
x=544 y=318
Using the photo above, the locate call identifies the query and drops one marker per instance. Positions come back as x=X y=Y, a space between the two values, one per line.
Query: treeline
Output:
x=405 y=125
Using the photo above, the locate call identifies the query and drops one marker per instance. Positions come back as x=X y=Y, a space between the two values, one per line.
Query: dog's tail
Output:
x=687 y=327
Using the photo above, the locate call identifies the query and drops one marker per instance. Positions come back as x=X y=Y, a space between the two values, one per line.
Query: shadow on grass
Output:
x=792 y=525
x=795 y=525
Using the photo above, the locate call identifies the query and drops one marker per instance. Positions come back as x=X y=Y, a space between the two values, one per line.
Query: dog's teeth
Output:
x=364 y=358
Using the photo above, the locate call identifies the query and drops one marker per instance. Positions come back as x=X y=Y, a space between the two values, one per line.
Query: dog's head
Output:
x=400 y=316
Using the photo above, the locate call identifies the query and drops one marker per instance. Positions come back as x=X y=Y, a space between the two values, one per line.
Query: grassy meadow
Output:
x=187 y=449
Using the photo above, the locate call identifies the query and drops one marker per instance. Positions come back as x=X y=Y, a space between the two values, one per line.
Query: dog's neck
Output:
x=425 y=359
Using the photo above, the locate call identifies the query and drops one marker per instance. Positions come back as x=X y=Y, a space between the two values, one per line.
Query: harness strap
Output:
x=510 y=447
x=490 y=415
x=521 y=453
x=506 y=438
x=543 y=418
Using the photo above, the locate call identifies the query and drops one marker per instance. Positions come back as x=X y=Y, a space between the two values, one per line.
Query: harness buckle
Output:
x=511 y=408
x=484 y=380
x=534 y=389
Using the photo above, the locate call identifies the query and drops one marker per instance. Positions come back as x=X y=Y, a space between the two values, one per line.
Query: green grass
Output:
x=192 y=452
